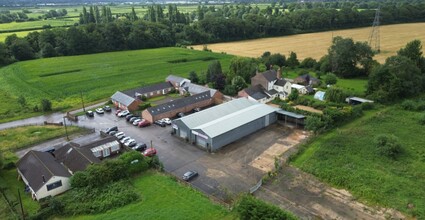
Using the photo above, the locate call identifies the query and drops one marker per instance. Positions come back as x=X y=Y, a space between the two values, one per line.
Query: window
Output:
x=54 y=185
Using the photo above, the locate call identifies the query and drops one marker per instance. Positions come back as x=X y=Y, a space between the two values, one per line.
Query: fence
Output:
x=9 y=204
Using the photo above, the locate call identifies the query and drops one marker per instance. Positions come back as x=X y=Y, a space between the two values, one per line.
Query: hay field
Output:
x=315 y=45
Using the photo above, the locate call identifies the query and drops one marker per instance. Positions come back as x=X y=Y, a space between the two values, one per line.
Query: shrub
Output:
x=388 y=145
x=22 y=101
x=143 y=98
x=46 y=105
x=136 y=162
x=330 y=79
x=144 y=106
x=251 y=208
x=408 y=105
x=422 y=119
x=294 y=95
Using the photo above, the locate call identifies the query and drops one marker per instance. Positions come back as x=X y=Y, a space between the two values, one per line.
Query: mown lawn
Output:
x=21 y=137
x=164 y=198
x=96 y=76
x=347 y=158
x=358 y=86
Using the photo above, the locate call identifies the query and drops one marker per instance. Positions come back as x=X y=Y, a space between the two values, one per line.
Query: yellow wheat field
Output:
x=315 y=45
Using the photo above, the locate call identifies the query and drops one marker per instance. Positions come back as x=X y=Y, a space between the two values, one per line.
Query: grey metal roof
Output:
x=148 y=89
x=173 y=78
x=196 y=89
x=290 y=114
x=362 y=100
x=215 y=112
x=122 y=98
x=35 y=164
x=179 y=103
x=236 y=119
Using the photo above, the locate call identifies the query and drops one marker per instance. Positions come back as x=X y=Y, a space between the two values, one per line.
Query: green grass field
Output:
x=97 y=76
x=164 y=198
x=347 y=158
x=19 y=34
x=9 y=181
x=358 y=86
x=21 y=137
x=16 y=26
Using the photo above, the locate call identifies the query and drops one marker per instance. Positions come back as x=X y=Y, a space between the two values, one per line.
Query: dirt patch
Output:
x=308 y=108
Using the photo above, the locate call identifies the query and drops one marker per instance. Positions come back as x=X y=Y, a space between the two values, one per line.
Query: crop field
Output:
x=315 y=45
x=19 y=34
x=16 y=26
x=164 y=198
x=96 y=76
x=348 y=158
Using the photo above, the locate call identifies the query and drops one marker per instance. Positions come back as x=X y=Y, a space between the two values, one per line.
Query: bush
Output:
x=46 y=105
x=137 y=163
x=294 y=95
x=422 y=119
x=408 y=105
x=388 y=145
x=250 y=208
x=330 y=79
x=143 y=98
x=144 y=106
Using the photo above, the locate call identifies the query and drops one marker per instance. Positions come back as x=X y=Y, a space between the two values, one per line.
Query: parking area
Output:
x=231 y=170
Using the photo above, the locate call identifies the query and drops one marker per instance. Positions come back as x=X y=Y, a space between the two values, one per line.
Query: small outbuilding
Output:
x=290 y=117
x=320 y=95
x=125 y=102
x=150 y=90
x=220 y=125
x=357 y=100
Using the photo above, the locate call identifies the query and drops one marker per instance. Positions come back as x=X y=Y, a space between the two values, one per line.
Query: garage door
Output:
x=183 y=133
x=201 y=142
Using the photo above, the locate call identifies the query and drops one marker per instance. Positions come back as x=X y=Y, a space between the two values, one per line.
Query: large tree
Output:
x=244 y=67
x=349 y=59
x=398 y=78
x=413 y=51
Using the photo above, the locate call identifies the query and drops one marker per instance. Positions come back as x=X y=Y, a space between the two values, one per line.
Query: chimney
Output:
x=279 y=73
x=44 y=179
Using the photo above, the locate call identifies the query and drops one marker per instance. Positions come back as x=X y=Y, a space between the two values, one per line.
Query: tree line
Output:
x=100 y=31
x=7 y=17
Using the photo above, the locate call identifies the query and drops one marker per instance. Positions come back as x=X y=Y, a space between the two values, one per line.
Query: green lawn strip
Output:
x=358 y=86
x=9 y=181
x=21 y=137
x=164 y=198
x=97 y=76
x=347 y=158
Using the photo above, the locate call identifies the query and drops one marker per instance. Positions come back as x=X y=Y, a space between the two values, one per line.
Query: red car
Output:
x=118 y=111
x=144 y=123
x=149 y=152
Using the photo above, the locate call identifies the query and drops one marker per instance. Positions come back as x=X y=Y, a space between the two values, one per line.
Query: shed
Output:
x=357 y=100
x=124 y=101
x=320 y=95
x=290 y=117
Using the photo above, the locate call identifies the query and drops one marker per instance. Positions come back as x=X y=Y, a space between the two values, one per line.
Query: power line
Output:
x=374 y=37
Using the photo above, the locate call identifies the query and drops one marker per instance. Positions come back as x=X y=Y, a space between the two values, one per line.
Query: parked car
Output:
x=118 y=111
x=100 y=111
x=108 y=130
x=119 y=135
x=112 y=133
x=129 y=142
x=144 y=123
x=134 y=119
x=89 y=113
x=180 y=114
x=125 y=140
x=189 y=175
x=123 y=113
x=149 y=152
x=136 y=122
x=107 y=108
x=129 y=116
x=166 y=121
x=160 y=123
x=140 y=147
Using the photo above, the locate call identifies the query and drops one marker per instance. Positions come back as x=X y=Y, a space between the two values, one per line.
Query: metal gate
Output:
x=183 y=133
x=201 y=142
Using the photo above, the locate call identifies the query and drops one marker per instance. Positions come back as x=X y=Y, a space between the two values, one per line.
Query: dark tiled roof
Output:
x=148 y=89
x=307 y=76
x=122 y=98
x=179 y=103
x=256 y=92
x=35 y=164
x=270 y=75
x=272 y=92
x=281 y=82
x=75 y=158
